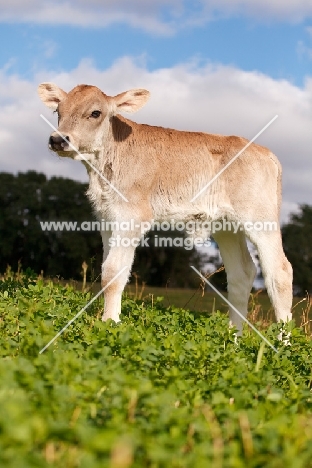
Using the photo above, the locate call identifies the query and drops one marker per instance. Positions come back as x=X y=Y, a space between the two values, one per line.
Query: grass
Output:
x=202 y=300
x=164 y=388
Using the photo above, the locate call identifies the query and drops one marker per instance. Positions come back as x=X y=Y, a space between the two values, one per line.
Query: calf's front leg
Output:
x=116 y=258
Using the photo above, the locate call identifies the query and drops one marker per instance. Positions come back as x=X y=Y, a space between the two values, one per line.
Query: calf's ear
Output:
x=51 y=95
x=130 y=101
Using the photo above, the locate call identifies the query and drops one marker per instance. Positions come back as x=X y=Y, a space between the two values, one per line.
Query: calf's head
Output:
x=84 y=115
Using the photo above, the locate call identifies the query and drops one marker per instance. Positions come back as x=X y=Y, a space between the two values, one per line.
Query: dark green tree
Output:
x=297 y=241
x=29 y=198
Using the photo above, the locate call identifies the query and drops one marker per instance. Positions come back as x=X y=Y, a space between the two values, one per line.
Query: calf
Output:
x=144 y=173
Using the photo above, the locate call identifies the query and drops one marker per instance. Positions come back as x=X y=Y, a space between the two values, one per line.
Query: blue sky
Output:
x=221 y=66
x=278 y=49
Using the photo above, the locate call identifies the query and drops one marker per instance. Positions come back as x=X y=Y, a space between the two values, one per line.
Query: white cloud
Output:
x=146 y=15
x=214 y=99
x=162 y=17
x=290 y=10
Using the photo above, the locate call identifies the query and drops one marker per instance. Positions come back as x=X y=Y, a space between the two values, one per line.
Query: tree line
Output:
x=26 y=199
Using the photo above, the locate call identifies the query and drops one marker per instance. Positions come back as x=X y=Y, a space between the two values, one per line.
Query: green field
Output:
x=201 y=300
x=164 y=388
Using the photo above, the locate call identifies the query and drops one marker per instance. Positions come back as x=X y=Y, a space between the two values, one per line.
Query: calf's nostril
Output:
x=57 y=141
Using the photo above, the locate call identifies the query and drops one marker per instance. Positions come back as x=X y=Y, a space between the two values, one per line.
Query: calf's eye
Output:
x=96 y=114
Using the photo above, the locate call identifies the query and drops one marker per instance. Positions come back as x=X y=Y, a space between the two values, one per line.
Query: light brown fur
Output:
x=159 y=171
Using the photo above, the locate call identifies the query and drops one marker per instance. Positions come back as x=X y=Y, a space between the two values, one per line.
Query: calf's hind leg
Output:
x=240 y=271
x=277 y=271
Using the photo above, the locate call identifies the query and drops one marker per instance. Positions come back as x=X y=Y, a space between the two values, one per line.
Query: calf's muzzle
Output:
x=59 y=142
